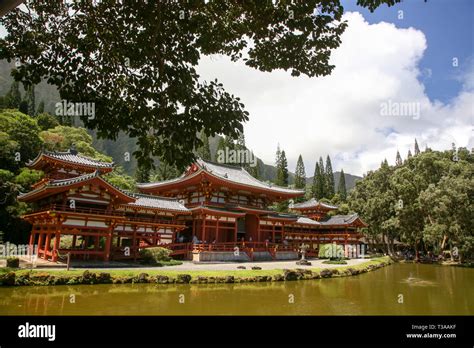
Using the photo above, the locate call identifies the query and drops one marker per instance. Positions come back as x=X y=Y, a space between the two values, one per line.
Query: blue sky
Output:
x=448 y=26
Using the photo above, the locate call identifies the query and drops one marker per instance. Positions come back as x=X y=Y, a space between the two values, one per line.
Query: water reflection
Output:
x=426 y=289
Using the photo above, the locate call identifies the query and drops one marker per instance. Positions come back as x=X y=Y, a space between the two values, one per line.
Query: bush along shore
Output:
x=41 y=278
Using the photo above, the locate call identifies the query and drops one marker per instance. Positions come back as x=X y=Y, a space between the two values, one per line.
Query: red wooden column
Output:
x=235 y=230
x=46 y=245
x=346 y=254
x=134 y=242
x=203 y=227
x=108 y=242
x=57 y=238
x=40 y=242
x=31 y=242
x=217 y=229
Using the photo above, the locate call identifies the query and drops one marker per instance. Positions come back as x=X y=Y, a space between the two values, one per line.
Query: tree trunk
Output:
x=417 y=253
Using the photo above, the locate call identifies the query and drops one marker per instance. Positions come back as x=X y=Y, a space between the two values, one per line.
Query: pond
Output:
x=400 y=289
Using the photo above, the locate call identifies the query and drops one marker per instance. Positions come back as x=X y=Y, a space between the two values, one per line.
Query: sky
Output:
x=422 y=56
x=415 y=53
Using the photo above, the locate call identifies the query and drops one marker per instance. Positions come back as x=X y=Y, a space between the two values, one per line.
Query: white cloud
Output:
x=339 y=114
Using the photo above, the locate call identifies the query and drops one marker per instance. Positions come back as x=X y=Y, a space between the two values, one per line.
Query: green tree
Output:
x=20 y=132
x=341 y=189
x=120 y=179
x=142 y=174
x=300 y=174
x=417 y=149
x=282 y=170
x=144 y=81
x=315 y=189
x=398 y=159
x=63 y=138
x=46 y=121
x=204 y=151
x=13 y=97
x=319 y=180
x=23 y=107
x=330 y=185
x=165 y=171
x=40 y=109
x=30 y=98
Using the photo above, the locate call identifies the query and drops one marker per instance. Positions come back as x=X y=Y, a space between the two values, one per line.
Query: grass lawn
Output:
x=173 y=273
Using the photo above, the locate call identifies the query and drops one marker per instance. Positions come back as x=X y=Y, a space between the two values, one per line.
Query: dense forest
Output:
x=424 y=202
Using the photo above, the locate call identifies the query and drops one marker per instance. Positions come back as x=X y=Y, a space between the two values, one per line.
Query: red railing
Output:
x=102 y=212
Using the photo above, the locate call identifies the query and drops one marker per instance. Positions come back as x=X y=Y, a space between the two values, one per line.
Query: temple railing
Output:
x=102 y=212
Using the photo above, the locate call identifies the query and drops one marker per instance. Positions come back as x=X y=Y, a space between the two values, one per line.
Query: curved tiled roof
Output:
x=72 y=157
x=307 y=221
x=312 y=203
x=148 y=201
x=341 y=219
x=232 y=174
x=71 y=181
x=241 y=176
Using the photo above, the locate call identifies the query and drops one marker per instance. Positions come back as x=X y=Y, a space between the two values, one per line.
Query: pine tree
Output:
x=341 y=189
x=30 y=98
x=409 y=154
x=40 y=109
x=277 y=156
x=314 y=186
x=321 y=180
x=330 y=185
x=13 y=97
x=417 y=149
x=300 y=174
x=204 y=150
x=282 y=170
x=398 y=160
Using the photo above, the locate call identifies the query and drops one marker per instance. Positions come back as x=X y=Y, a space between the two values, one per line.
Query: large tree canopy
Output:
x=136 y=60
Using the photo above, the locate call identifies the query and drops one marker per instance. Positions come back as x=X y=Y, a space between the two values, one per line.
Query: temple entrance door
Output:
x=241 y=229
x=251 y=226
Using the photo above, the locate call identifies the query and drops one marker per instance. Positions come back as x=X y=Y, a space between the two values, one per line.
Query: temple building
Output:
x=212 y=212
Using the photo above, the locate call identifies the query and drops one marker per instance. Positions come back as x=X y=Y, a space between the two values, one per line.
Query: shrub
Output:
x=155 y=255
x=13 y=262
x=331 y=251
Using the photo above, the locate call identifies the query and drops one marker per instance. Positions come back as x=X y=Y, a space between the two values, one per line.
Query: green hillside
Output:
x=121 y=150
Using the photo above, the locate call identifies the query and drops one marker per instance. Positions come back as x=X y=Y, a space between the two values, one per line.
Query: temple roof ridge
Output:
x=71 y=156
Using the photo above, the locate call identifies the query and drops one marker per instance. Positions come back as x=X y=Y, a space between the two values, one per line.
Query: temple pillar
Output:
x=40 y=242
x=46 y=245
x=57 y=239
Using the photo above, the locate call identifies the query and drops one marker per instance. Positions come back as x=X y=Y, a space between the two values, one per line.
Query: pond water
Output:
x=422 y=289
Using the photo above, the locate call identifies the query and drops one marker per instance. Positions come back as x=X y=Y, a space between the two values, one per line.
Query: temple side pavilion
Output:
x=212 y=212
x=74 y=200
